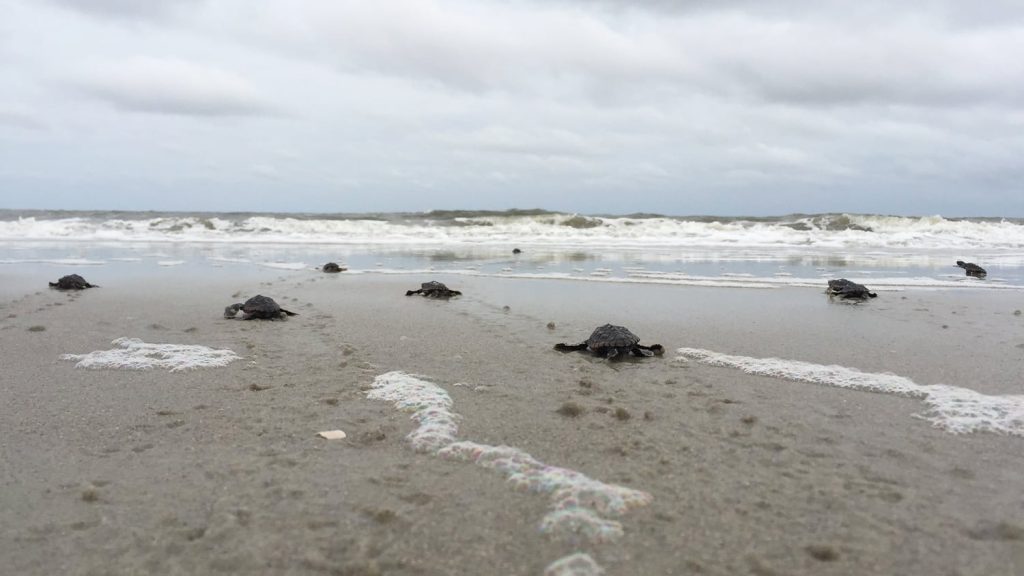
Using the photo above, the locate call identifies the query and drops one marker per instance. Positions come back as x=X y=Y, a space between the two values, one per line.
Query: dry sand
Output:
x=219 y=470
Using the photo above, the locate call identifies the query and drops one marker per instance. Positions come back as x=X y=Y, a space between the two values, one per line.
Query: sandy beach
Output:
x=219 y=470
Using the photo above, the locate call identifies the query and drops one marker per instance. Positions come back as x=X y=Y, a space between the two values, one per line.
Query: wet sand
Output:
x=219 y=470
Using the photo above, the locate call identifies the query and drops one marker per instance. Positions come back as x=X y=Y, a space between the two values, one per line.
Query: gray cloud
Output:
x=128 y=9
x=171 y=86
x=689 y=106
x=16 y=117
x=574 y=50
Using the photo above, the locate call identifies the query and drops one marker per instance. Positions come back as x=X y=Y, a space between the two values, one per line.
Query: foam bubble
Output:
x=577 y=500
x=429 y=403
x=954 y=409
x=170 y=262
x=578 y=564
x=134 y=354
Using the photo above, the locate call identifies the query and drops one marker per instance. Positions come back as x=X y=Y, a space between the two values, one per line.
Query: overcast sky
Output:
x=725 y=107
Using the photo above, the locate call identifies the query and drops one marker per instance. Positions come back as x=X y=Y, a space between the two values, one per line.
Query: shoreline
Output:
x=219 y=469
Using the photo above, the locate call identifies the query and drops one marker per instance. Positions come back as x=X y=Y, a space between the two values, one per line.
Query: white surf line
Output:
x=952 y=408
x=134 y=354
x=683 y=279
x=577 y=501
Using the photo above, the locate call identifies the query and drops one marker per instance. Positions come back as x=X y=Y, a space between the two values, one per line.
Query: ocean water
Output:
x=885 y=252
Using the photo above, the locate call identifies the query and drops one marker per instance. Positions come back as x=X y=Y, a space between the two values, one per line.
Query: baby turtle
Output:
x=262 y=307
x=848 y=290
x=972 y=269
x=434 y=289
x=333 y=268
x=517 y=251
x=71 y=282
x=610 y=341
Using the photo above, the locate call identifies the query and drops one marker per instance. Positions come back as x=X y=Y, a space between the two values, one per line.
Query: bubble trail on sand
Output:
x=134 y=354
x=951 y=408
x=577 y=564
x=577 y=501
x=429 y=403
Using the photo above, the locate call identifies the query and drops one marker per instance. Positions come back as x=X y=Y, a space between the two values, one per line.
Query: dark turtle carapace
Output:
x=972 y=269
x=261 y=307
x=610 y=341
x=845 y=289
x=71 y=282
x=517 y=251
x=333 y=268
x=434 y=289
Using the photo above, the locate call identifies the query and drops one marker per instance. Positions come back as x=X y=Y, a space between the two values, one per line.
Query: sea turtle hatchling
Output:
x=434 y=289
x=71 y=282
x=846 y=289
x=972 y=269
x=333 y=268
x=261 y=307
x=610 y=341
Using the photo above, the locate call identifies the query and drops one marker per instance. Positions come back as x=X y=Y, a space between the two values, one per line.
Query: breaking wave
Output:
x=521 y=227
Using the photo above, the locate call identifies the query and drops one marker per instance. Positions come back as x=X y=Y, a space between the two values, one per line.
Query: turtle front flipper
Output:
x=230 y=311
x=562 y=347
x=411 y=292
x=289 y=312
x=653 y=349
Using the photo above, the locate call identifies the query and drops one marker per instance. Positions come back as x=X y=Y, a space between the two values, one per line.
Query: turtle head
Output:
x=231 y=311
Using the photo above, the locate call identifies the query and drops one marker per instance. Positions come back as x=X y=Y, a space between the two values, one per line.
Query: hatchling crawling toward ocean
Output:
x=71 y=282
x=610 y=341
x=261 y=307
x=973 y=270
x=434 y=289
x=846 y=289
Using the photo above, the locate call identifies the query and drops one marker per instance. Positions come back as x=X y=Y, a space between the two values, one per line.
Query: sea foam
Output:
x=134 y=354
x=577 y=501
x=577 y=564
x=430 y=406
x=951 y=408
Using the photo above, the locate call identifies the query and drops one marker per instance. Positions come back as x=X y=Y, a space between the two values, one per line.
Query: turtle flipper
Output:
x=411 y=292
x=288 y=312
x=562 y=347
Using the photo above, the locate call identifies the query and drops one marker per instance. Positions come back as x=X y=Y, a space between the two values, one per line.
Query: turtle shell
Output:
x=71 y=282
x=847 y=289
x=611 y=336
x=433 y=285
x=261 y=307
